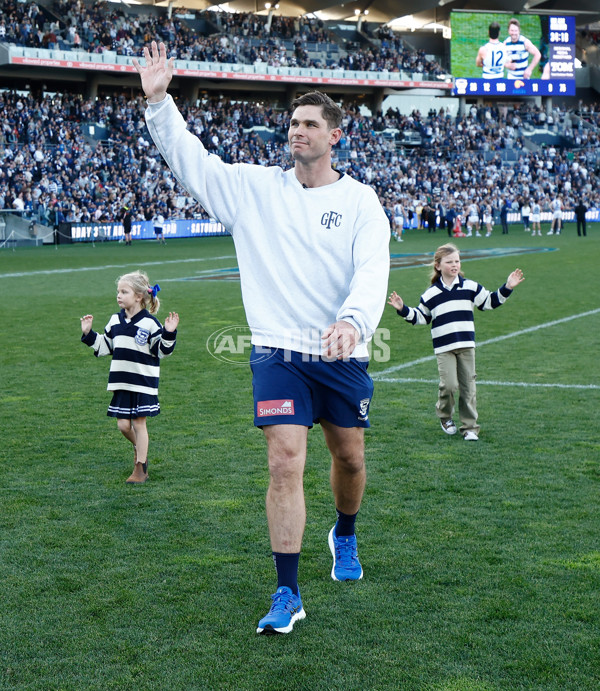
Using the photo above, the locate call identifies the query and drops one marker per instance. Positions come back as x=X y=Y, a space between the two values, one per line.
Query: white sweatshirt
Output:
x=307 y=257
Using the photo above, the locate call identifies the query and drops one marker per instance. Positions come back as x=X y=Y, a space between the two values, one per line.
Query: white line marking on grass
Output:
x=380 y=376
x=410 y=380
x=111 y=266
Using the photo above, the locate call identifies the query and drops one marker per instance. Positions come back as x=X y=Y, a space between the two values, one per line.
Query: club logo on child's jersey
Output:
x=279 y=407
x=141 y=337
x=331 y=218
x=363 y=411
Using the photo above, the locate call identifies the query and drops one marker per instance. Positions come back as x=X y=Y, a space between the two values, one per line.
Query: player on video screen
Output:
x=493 y=56
x=519 y=50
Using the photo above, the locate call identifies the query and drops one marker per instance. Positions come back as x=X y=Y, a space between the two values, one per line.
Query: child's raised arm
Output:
x=86 y=324
x=514 y=279
x=395 y=300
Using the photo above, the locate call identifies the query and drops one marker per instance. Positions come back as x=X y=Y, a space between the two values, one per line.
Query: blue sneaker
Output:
x=346 y=566
x=285 y=611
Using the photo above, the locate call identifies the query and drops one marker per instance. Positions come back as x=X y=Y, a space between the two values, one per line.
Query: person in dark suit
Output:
x=504 y=216
x=127 y=219
x=580 y=212
x=431 y=217
x=450 y=218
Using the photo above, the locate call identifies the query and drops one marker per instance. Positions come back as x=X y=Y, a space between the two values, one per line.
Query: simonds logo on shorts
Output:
x=280 y=407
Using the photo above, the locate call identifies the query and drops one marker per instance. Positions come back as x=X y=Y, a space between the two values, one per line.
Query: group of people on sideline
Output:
x=479 y=217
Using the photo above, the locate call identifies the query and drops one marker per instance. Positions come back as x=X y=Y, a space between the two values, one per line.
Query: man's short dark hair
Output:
x=494 y=30
x=331 y=112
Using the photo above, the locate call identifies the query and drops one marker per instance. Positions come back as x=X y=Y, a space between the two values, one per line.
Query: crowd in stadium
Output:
x=51 y=172
x=101 y=27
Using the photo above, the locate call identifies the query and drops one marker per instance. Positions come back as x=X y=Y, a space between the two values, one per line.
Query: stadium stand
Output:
x=242 y=38
x=66 y=158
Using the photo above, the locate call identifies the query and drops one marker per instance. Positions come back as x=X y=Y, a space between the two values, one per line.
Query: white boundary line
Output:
x=382 y=376
x=410 y=380
x=112 y=266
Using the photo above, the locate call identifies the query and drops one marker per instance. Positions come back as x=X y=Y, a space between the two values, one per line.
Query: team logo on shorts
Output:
x=363 y=410
x=141 y=337
x=280 y=407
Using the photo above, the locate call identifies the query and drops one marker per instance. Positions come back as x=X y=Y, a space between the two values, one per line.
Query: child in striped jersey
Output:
x=448 y=306
x=137 y=342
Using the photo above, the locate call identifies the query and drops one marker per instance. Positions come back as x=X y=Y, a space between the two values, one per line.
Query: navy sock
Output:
x=287 y=570
x=345 y=524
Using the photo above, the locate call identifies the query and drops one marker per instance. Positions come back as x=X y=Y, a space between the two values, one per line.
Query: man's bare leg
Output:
x=348 y=480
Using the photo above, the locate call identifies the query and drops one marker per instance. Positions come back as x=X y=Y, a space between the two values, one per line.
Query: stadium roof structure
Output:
x=417 y=13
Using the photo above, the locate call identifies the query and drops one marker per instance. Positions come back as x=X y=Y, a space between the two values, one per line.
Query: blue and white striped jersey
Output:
x=496 y=56
x=518 y=54
x=136 y=346
x=450 y=312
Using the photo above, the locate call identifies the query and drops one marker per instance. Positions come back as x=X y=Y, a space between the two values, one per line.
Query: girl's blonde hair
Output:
x=138 y=280
x=440 y=253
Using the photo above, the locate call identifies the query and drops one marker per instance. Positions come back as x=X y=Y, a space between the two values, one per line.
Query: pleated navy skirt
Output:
x=131 y=404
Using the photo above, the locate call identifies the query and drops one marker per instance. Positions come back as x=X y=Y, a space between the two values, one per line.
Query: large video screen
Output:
x=501 y=54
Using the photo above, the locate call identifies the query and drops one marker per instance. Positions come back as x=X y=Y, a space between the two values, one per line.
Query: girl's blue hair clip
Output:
x=154 y=289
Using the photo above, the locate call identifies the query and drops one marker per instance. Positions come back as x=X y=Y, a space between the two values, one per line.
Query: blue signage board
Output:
x=144 y=230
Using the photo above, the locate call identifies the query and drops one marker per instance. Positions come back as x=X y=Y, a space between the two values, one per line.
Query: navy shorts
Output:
x=293 y=388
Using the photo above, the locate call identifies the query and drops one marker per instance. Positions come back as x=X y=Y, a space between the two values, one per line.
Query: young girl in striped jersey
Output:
x=137 y=342
x=448 y=305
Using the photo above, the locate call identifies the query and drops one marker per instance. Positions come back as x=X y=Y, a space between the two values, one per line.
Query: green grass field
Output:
x=481 y=560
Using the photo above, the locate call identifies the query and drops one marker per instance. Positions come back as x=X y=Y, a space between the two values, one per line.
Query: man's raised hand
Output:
x=157 y=73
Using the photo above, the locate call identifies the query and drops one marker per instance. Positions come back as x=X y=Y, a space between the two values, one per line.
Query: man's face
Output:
x=309 y=134
x=514 y=32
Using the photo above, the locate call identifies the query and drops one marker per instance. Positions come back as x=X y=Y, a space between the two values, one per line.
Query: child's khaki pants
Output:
x=457 y=373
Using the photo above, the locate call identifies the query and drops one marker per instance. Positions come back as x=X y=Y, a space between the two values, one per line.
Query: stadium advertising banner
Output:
x=500 y=54
x=144 y=230
x=282 y=75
